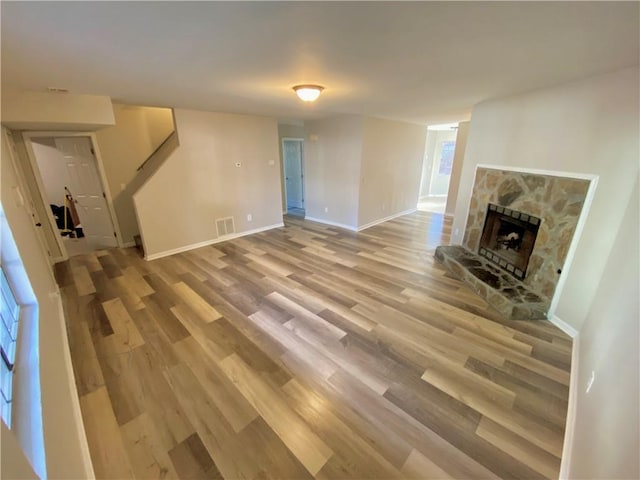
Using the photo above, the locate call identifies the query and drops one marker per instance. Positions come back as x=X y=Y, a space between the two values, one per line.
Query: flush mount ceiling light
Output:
x=308 y=93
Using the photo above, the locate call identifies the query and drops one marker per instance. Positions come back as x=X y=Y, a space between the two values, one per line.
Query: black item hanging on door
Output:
x=70 y=206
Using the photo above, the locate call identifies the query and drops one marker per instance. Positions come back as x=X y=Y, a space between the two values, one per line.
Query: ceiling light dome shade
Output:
x=308 y=93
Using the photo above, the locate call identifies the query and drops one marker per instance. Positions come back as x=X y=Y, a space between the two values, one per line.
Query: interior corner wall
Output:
x=333 y=151
x=456 y=171
x=123 y=148
x=288 y=131
x=178 y=206
x=606 y=439
x=589 y=126
x=392 y=157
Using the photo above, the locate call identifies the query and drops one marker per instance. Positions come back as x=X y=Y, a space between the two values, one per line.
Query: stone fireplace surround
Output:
x=558 y=200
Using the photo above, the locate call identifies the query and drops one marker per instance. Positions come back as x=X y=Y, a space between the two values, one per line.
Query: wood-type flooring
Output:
x=309 y=352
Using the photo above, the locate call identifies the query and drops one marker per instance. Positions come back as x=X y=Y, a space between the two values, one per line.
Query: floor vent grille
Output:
x=225 y=226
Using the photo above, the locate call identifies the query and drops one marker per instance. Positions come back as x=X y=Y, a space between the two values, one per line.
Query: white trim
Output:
x=564 y=326
x=570 y=425
x=129 y=244
x=333 y=224
x=225 y=238
x=386 y=219
x=573 y=246
x=73 y=392
x=537 y=171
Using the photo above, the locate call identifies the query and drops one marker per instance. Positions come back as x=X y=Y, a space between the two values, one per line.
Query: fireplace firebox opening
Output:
x=508 y=238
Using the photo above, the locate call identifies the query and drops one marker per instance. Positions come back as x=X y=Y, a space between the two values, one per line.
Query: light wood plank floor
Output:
x=309 y=351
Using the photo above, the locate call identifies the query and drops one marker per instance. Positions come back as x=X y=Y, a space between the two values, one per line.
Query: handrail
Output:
x=155 y=151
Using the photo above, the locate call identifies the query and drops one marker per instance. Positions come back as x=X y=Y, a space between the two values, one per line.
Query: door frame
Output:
x=284 y=169
x=28 y=136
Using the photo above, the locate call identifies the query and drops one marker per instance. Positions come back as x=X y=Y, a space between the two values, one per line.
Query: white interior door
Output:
x=292 y=153
x=86 y=188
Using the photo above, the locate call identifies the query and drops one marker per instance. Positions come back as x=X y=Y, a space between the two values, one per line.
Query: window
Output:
x=446 y=158
x=9 y=313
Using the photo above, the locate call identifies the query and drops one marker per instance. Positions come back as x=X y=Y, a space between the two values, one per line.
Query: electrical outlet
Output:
x=326 y=209
x=249 y=217
x=592 y=379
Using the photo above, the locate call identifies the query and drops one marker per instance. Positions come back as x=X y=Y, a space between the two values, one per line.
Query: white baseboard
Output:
x=386 y=219
x=333 y=224
x=225 y=238
x=564 y=326
x=128 y=244
x=570 y=426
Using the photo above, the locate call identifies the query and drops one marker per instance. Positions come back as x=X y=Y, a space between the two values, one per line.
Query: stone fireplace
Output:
x=518 y=232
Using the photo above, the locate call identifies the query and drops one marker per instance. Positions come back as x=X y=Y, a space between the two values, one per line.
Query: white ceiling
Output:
x=426 y=62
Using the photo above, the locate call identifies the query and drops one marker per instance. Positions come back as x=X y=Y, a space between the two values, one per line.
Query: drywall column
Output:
x=392 y=156
x=333 y=152
x=458 y=160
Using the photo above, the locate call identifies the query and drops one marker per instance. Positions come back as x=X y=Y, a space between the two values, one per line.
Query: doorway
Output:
x=437 y=167
x=71 y=184
x=292 y=153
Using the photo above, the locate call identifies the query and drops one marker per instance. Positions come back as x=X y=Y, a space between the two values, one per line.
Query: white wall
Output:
x=333 y=152
x=199 y=182
x=65 y=444
x=607 y=430
x=22 y=110
x=124 y=147
x=392 y=157
x=14 y=465
x=589 y=126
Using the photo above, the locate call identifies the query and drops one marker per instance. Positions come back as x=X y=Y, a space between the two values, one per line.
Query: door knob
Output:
x=38 y=224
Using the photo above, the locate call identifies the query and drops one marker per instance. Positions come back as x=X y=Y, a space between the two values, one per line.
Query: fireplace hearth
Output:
x=518 y=232
x=508 y=238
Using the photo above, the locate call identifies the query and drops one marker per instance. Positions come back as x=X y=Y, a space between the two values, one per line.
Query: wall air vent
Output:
x=225 y=226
